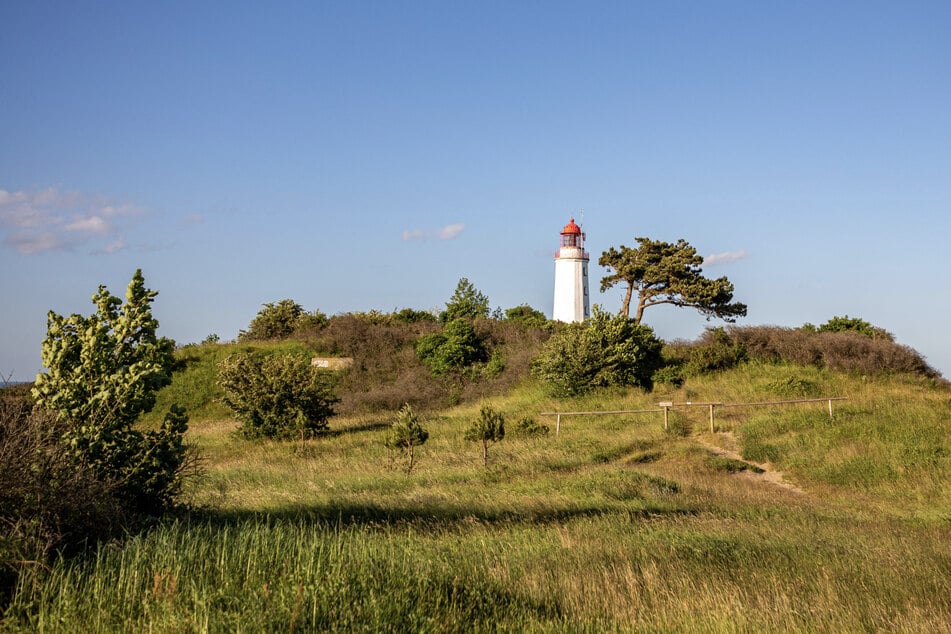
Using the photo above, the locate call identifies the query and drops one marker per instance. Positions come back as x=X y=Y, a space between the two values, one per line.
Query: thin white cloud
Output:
x=451 y=231
x=30 y=242
x=448 y=232
x=193 y=219
x=415 y=234
x=90 y=224
x=725 y=258
x=50 y=219
x=115 y=246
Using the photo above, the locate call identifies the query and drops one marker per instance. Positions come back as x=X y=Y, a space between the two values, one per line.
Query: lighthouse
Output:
x=571 y=276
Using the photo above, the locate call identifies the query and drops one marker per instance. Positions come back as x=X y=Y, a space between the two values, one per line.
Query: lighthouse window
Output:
x=569 y=240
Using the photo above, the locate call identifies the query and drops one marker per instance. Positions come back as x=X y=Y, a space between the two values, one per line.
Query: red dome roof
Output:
x=571 y=227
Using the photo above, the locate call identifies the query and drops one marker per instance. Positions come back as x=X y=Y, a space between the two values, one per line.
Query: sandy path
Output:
x=769 y=474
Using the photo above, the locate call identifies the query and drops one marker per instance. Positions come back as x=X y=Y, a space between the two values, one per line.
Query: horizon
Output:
x=358 y=157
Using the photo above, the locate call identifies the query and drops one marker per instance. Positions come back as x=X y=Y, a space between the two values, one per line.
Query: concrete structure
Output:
x=331 y=363
x=571 y=276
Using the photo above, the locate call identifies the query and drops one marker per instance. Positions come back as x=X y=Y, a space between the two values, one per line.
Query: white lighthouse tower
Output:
x=571 y=276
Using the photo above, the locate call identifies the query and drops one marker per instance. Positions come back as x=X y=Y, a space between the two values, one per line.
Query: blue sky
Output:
x=361 y=155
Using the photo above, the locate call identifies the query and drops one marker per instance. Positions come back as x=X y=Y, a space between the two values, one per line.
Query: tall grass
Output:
x=614 y=571
x=613 y=525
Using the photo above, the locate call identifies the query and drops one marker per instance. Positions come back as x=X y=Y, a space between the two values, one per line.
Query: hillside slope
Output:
x=613 y=524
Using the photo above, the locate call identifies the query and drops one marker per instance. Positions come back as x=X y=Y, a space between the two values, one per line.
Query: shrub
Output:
x=406 y=434
x=280 y=320
x=525 y=314
x=853 y=324
x=48 y=502
x=467 y=302
x=495 y=365
x=487 y=429
x=277 y=396
x=104 y=371
x=386 y=372
x=528 y=427
x=602 y=351
x=455 y=348
x=672 y=374
x=714 y=351
x=410 y=316
x=845 y=351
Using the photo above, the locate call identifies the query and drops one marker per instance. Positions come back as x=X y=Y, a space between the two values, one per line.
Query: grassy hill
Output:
x=614 y=524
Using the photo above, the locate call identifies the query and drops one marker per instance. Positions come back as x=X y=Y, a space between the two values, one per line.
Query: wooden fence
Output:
x=666 y=406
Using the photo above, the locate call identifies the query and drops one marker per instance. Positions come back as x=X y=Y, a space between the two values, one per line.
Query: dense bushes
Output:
x=527 y=315
x=387 y=370
x=47 y=501
x=851 y=324
x=277 y=396
x=455 y=348
x=602 y=351
x=845 y=350
x=281 y=319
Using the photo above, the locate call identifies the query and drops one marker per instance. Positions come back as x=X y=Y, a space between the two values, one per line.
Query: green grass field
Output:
x=613 y=525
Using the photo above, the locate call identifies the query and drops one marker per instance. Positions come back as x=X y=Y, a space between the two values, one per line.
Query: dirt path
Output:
x=769 y=474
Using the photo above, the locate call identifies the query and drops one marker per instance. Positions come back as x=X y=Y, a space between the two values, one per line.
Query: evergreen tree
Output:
x=103 y=373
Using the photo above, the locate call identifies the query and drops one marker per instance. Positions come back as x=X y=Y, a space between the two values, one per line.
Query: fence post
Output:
x=711 y=418
x=558 y=424
x=666 y=405
x=831 y=417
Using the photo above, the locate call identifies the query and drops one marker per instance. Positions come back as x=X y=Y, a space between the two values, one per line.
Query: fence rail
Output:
x=666 y=406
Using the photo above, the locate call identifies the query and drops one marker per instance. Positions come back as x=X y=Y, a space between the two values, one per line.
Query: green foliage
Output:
x=455 y=348
x=671 y=374
x=277 y=396
x=311 y=321
x=665 y=273
x=104 y=371
x=495 y=365
x=211 y=340
x=411 y=316
x=48 y=503
x=602 y=351
x=406 y=433
x=487 y=429
x=525 y=314
x=467 y=302
x=528 y=427
x=847 y=351
x=280 y=320
x=715 y=352
x=852 y=324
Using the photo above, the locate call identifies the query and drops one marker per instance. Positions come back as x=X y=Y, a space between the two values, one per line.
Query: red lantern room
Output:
x=571 y=235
